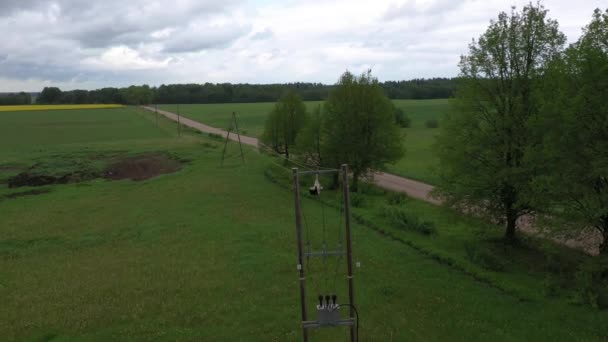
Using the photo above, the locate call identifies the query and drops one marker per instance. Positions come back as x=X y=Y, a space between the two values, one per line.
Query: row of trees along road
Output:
x=356 y=125
x=528 y=132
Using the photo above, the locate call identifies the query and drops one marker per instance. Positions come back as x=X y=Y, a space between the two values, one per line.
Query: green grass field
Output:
x=418 y=163
x=208 y=253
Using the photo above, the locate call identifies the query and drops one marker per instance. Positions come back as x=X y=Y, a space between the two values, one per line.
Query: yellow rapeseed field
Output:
x=56 y=107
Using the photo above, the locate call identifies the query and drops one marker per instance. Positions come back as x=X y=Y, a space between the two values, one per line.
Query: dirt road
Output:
x=384 y=180
x=588 y=240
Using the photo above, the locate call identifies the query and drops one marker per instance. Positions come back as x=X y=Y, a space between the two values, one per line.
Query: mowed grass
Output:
x=208 y=253
x=56 y=107
x=419 y=162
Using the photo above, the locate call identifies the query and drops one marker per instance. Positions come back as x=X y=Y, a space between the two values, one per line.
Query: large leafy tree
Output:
x=49 y=95
x=359 y=126
x=284 y=123
x=309 y=141
x=575 y=126
x=483 y=141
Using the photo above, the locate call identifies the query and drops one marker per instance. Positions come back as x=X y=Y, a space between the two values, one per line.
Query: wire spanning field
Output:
x=56 y=107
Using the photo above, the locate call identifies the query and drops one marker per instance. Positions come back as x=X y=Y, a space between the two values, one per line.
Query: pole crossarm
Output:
x=323 y=253
x=319 y=172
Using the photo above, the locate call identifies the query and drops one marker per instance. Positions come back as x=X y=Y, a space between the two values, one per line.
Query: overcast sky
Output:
x=90 y=44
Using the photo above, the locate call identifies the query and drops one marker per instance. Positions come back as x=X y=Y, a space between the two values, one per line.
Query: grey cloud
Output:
x=27 y=70
x=263 y=35
x=203 y=38
x=8 y=7
x=114 y=22
x=409 y=9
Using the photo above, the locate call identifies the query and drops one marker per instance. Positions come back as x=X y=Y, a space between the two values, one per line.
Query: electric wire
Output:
x=357 y=318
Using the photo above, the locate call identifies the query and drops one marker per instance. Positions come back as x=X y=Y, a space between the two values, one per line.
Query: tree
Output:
x=284 y=123
x=49 y=95
x=401 y=118
x=483 y=141
x=309 y=141
x=575 y=121
x=359 y=126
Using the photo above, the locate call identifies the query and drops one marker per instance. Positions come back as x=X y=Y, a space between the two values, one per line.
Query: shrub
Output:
x=483 y=257
x=395 y=198
x=401 y=118
x=357 y=200
x=432 y=123
x=216 y=136
x=406 y=221
x=591 y=284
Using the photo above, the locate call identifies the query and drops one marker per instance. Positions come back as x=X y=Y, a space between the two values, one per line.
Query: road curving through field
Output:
x=588 y=240
x=384 y=180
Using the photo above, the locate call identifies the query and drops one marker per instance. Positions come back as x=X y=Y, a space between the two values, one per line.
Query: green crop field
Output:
x=208 y=253
x=44 y=129
x=418 y=163
x=251 y=116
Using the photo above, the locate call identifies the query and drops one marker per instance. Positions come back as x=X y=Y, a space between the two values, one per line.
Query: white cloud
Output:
x=124 y=58
x=80 y=44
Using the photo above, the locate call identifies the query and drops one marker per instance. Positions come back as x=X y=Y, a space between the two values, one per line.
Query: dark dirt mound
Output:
x=143 y=167
x=28 y=178
x=139 y=167
x=27 y=193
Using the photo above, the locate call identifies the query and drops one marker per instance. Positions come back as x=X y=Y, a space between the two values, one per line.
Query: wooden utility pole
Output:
x=179 y=125
x=238 y=134
x=327 y=315
x=349 y=250
x=156 y=111
x=300 y=266
x=233 y=126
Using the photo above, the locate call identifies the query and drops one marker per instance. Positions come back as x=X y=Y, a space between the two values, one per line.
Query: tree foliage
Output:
x=359 y=126
x=401 y=118
x=284 y=123
x=483 y=141
x=574 y=130
x=309 y=142
x=12 y=99
x=232 y=93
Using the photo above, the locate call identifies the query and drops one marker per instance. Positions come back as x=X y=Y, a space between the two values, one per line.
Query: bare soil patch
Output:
x=143 y=167
x=138 y=167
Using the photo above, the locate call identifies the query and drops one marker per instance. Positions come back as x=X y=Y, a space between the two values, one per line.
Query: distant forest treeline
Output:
x=433 y=88
x=12 y=99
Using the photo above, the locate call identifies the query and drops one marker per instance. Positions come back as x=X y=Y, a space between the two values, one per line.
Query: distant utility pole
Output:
x=233 y=126
x=156 y=110
x=179 y=128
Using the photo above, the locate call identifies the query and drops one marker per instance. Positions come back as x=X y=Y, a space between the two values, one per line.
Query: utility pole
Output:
x=328 y=314
x=233 y=126
x=298 y=211
x=179 y=125
x=349 y=250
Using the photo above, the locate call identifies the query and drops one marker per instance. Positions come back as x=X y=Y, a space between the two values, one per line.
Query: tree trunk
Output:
x=511 y=225
x=286 y=151
x=604 y=244
x=603 y=228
